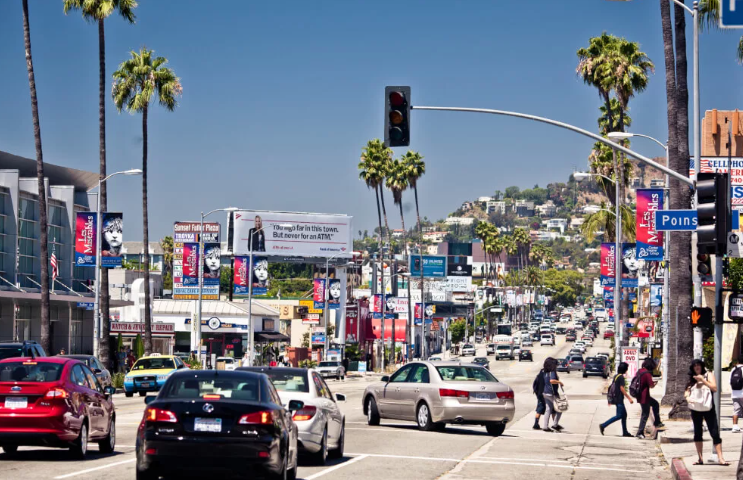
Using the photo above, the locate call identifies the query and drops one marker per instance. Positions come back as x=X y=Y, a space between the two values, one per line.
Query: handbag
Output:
x=561 y=402
x=700 y=398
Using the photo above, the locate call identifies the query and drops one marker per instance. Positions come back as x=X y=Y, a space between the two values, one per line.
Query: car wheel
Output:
x=129 y=394
x=338 y=452
x=321 y=457
x=372 y=414
x=80 y=448
x=423 y=417
x=107 y=444
x=10 y=449
x=142 y=394
x=495 y=429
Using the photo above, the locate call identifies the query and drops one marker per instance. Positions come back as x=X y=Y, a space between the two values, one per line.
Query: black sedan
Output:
x=482 y=361
x=561 y=330
x=103 y=375
x=525 y=355
x=596 y=366
x=215 y=422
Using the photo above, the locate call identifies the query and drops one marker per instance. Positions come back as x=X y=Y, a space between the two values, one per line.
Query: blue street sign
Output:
x=676 y=219
x=86 y=305
x=731 y=14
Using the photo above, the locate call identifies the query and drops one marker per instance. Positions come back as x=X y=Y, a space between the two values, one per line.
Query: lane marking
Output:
x=358 y=458
x=95 y=469
x=555 y=460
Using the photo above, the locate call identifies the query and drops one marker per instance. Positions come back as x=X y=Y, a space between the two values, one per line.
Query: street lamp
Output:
x=196 y=339
x=325 y=297
x=96 y=307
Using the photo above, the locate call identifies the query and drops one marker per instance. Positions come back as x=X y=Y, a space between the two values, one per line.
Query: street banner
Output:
x=112 y=230
x=631 y=355
x=430 y=310
x=292 y=234
x=212 y=259
x=240 y=280
x=352 y=325
x=187 y=287
x=260 y=276
x=433 y=266
x=318 y=292
x=190 y=264
x=400 y=329
x=630 y=266
x=334 y=294
x=656 y=295
x=398 y=305
x=85 y=239
x=608 y=293
x=376 y=306
x=608 y=264
x=649 y=239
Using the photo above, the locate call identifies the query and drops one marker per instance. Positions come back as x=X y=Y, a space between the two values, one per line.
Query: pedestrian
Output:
x=121 y=356
x=736 y=385
x=616 y=396
x=698 y=395
x=246 y=360
x=130 y=359
x=647 y=402
x=551 y=384
x=538 y=389
x=61 y=351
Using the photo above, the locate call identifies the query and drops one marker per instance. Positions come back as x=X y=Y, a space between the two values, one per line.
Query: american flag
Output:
x=55 y=267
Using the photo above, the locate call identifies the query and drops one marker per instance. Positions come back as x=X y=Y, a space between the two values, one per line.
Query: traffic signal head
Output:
x=701 y=317
x=397 y=116
x=704 y=264
x=712 y=212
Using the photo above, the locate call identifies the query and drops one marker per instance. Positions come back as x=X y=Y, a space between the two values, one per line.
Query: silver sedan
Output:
x=321 y=424
x=434 y=394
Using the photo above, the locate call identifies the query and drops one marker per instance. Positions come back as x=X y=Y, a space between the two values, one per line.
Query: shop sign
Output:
x=132 y=327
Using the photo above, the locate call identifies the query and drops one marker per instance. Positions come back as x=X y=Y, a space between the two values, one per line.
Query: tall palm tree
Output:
x=605 y=221
x=43 y=227
x=595 y=68
x=97 y=11
x=370 y=174
x=397 y=182
x=416 y=168
x=630 y=75
x=137 y=80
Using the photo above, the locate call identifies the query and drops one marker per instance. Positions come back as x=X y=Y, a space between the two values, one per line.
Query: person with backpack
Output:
x=640 y=389
x=698 y=396
x=538 y=389
x=736 y=385
x=615 y=396
x=551 y=384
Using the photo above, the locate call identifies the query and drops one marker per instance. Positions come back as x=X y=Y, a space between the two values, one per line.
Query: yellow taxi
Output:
x=150 y=373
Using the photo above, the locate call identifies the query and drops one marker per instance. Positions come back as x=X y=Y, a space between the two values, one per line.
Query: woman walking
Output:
x=645 y=400
x=617 y=394
x=551 y=384
x=698 y=395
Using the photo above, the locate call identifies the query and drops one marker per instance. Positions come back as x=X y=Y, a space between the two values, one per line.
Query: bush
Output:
x=117 y=380
x=307 y=363
x=193 y=363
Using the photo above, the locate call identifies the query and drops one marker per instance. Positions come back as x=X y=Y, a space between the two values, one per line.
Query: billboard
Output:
x=433 y=266
x=85 y=239
x=186 y=257
x=459 y=270
x=292 y=234
x=608 y=264
x=630 y=266
x=649 y=240
x=188 y=232
x=112 y=237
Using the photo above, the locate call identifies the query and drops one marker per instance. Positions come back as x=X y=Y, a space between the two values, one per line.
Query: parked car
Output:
x=595 y=366
x=103 y=375
x=468 y=349
x=207 y=418
x=332 y=369
x=547 y=339
x=54 y=402
x=608 y=334
x=27 y=348
x=149 y=374
x=482 y=361
x=433 y=395
x=320 y=422
x=490 y=349
x=525 y=355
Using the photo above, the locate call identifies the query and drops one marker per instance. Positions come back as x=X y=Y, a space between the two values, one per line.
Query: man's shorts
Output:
x=738 y=407
x=541 y=406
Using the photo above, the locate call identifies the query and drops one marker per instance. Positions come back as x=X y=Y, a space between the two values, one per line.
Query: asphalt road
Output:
x=396 y=450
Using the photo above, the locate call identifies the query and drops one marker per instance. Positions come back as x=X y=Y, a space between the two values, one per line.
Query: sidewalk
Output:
x=677 y=444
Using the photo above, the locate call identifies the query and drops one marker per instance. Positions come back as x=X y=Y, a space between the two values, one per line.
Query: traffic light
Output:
x=704 y=263
x=397 y=116
x=712 y=212
x=701 y=317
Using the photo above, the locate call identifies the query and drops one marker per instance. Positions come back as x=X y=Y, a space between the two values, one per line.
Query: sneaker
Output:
x=640 y=436
x=736 y=429
x=627 y=435
x=601 y=429
x=557 y=427
x=547 y=430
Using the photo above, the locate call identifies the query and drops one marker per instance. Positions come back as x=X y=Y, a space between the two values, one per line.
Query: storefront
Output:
x=163 y=335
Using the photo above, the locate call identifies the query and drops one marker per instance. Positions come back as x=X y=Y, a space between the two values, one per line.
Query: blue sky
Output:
x=279 y=97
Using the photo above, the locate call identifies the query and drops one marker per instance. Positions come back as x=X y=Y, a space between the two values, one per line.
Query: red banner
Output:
x=608 y=264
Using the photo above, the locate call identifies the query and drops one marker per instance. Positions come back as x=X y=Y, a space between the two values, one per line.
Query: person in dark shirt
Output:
x=621 y=393
x=646 y=401
x=256 y=236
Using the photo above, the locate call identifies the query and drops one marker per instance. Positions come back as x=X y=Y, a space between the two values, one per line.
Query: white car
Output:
x=547 y=339
x=578 y=326
x=526 y=342
x=580 y=346
x=468 y=349
x=331 y=369
x=227 y=363
x=587 y=340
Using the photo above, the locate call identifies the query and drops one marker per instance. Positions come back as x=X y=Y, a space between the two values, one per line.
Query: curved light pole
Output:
x=97 y=306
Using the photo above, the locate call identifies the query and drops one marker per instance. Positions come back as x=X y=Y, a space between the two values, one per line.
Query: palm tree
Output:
x=397 y=182
x=369 y=173
x=630 y=75
x=97 y=11
x=43 y=227
x=594 y=66
x=416 y=168
x=167 y=245
x=605 y=221
x=136 y=81
x=613 y=116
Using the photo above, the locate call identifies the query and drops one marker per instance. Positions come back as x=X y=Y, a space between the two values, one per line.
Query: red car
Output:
x=54 y=402
x=608 y=334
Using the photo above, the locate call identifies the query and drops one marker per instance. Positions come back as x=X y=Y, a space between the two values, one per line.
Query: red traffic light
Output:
x=397 y=99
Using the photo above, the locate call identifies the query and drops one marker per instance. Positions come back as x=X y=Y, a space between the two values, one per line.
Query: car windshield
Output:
x=238 y=386
x=289 y=381
x=594 y=360
x=30 y=371
x=465 y=374
x=467 y=346
x=155 y=363
x=10 y=352
x=329 y=364
x=576 y=358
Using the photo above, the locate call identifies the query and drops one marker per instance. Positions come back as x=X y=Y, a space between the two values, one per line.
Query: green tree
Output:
x=416 y=168
x=136 y=81
x=167 y=245
x=456 y=329
x=225 y=277
x=512 y=192
x=372 y=171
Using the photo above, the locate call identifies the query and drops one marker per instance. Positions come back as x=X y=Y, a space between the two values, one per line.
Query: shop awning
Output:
x=270 y=337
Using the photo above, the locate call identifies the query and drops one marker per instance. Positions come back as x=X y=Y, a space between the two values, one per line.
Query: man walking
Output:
x=538 y=388
x=736 y=385
x=616 y=396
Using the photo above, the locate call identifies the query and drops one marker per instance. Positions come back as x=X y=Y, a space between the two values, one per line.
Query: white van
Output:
x=547 y=339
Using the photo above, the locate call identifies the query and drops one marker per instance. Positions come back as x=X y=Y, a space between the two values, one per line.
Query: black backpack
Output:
x=736 y=379
x=538 y=385
x=612 y=396
x=634 y=387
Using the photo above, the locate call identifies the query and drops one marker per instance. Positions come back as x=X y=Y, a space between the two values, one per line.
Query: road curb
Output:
x=679 y=471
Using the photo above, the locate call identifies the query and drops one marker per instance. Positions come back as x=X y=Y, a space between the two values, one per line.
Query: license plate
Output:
x=16 y=402
x=144 y=384
x=213 y=425
x=480 y=396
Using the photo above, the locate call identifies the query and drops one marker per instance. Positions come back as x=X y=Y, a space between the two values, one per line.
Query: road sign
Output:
x=731 y=13
x=735 y=245
x=86 y=305
x=676 y=220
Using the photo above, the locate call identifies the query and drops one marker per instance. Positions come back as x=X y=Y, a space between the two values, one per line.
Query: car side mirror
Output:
x=109 y=390
x=386 y=378
x=340 y=397
x=97 y=371
x=295 y=405
x=149 y=399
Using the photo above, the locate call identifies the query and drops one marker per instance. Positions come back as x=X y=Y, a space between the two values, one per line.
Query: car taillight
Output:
x=257 y=418
x=160 y=415
x=450 y=392
x=58 y=393
x=305 y=413
x=506 y=395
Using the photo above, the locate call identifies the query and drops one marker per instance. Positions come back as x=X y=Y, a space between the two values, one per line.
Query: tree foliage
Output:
x=566 y=285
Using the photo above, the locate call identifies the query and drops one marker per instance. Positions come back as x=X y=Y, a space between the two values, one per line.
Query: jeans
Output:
x=549 y=400
x=652 y=403
x=711 y=419
x=621 y=415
